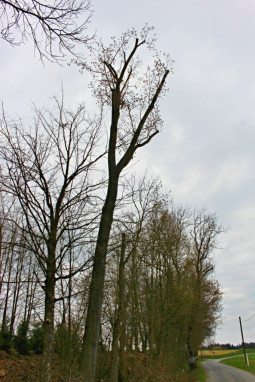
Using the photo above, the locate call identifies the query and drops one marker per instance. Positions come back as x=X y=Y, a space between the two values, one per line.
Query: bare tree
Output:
x=4 y=212
x=131 y=91
x=48 y=170
x=12 y=271
x=54 y=27
x=144 y=196
x=174 y=299
x=204 y=306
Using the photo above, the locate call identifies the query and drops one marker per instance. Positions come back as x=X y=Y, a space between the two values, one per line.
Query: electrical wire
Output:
x=248 y=319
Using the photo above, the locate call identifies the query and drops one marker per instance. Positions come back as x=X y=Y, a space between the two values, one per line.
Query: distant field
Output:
x=215 y=352
x=240 y=363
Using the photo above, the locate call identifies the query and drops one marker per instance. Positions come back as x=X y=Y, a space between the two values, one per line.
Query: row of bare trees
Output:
x=164 y=300
x=46 y=170
x=160 y=298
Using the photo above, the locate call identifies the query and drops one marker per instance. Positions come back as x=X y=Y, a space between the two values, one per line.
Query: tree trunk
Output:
x=92 y=329
x=30 y=293
x=48 y=324
x=123 y=343
x=1 y=261
x=7 y=292
x=113 y=375
x=16 y=293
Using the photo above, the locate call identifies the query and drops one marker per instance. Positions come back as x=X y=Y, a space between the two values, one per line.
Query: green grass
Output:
x=240 y=363
x=200 y=373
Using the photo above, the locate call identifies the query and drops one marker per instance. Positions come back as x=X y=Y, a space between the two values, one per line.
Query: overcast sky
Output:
x=205 y=154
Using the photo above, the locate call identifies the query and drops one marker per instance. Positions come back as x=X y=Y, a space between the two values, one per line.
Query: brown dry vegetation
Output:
x=24 y=368
x=15 y=368
x=215 y=352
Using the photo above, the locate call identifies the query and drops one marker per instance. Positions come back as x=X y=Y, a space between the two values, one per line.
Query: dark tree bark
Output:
x=1 y=254
x=30 y=291
x=9 y=260
x=114 y=367
x=16 y=293
x=49 y=305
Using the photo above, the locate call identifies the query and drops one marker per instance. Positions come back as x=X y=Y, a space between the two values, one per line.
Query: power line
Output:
x=248 y=319
x=235 y=319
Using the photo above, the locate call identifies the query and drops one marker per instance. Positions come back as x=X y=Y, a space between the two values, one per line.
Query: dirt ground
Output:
x=28 y=369
x=23 y=368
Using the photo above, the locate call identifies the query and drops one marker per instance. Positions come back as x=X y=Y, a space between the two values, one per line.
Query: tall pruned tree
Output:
x=47 y=168
x=131 y=90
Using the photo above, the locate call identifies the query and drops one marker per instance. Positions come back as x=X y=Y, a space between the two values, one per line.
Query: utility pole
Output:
x=244 y=351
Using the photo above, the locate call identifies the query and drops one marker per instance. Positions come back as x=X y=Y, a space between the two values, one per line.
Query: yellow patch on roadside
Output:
x=215 y=352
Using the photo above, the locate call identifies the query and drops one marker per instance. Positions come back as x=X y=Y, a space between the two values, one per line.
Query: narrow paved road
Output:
x=218 y=372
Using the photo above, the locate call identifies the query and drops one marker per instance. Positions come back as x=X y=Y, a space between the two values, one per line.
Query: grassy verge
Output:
x=200 y=373
x=240 y=363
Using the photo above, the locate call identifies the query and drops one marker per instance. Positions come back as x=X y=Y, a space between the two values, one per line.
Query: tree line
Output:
x=96 y=264
x=160 y=297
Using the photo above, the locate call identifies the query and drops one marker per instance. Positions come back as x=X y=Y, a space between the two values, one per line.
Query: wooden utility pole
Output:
x=244 y=350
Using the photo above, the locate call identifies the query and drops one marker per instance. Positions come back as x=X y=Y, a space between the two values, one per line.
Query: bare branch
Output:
x=53 y=28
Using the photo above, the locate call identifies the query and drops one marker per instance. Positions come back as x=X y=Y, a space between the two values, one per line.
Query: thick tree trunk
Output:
x=135 y=308
x=92 y=329
x=113 y=375
x=48 y=332
x=123 y=339
x=123 y=344
x=1 y=261
x=48 y=324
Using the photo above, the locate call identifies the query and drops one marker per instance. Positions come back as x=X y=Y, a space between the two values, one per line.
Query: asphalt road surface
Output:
x=218 y=372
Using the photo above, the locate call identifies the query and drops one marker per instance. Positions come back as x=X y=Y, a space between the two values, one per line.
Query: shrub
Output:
x=20 y=342
x=36 y=338
x=5 y=339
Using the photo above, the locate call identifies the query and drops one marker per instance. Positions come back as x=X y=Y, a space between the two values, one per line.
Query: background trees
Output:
x=47 y=170
x=168 y=318
x=161 y=319
x=154 y=314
